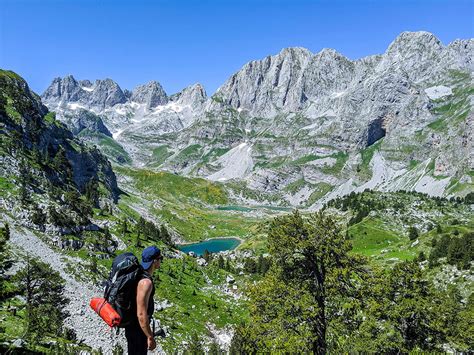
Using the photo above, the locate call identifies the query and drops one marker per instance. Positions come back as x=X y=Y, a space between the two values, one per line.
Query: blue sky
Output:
x=179 y=43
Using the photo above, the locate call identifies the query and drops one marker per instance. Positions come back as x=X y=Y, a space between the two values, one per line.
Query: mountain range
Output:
x=298 y=128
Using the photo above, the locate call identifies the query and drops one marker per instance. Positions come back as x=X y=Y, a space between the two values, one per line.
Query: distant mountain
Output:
x=304 y=127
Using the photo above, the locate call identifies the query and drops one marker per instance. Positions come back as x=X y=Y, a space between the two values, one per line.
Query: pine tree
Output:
x=43 y=290
x=290 y=308
x=92 y=192
x=214 y=349
x=5 y=261
x=195 y=345
x=165 y=235
x=206 y=255
x=413 y=233
x=250 y=266
x=220 y=262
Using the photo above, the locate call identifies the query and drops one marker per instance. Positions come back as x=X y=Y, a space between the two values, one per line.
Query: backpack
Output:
x=121 y=286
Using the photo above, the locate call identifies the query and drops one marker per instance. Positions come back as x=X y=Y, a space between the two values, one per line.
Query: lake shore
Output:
x=208 y=239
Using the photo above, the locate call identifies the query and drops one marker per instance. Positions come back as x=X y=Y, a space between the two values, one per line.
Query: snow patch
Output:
x=335 y=95
x=85 y=88
x=236 y=163
x=75 y=106
x=120 y=110
x=173 y=106
x=436 y=92
x=117 y=134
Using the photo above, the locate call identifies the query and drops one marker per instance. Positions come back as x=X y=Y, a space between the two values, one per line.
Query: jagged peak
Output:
x=404 y=39
x=107 y=82
x=69 y=77
x=190 y=95
x=150 y=86
x=295 y=50
x=461 y=42
x=197 y=87
x=330 y=53
x=152 y=94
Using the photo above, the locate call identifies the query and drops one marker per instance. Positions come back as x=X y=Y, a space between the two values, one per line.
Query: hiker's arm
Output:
x=143 y=294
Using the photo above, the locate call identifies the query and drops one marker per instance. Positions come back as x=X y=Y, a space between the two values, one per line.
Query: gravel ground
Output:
x=90 y=329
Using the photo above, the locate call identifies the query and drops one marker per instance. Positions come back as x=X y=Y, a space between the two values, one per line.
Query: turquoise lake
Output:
x=212 y=245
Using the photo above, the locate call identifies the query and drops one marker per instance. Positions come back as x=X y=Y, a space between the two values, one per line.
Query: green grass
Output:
x=173 y=187
x=50 y=118
x=305 y=159
x=371 y=236
x=439 y=125
x=196 y=303
x=159 y=155
x=108 y=146
x=295 y=186
x=366 y=156
x=320 y=190
x=12 y=112
x=6 y=186
x=190 y=151
x=335 y=169
x=189 y=205
x=413 y=164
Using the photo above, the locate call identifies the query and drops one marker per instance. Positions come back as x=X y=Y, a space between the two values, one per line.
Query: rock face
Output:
x=411 y=104
x=151 y=94
x=80 y=120
x=97 y=96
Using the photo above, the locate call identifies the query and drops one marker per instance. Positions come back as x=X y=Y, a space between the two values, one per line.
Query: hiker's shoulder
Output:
x=145 y=282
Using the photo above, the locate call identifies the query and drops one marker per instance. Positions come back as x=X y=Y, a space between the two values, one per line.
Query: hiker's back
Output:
x=121 y=286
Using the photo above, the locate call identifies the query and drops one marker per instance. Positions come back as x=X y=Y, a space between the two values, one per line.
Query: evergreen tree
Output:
x=61 y=164
x=5 y=261
x=165 y=235
x=250 y=266
x=124 y=227
x=92 y=192
x=402 y=313
x=301 y=295
x=38 y=217
x=206 y=255
x=43 y=290
x=195 y=345
x=220 y=262
x=214 y=349
x=413 y=233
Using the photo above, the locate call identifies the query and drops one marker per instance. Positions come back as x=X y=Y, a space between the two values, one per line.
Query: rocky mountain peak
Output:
x=106 y=93
x=66 y=88
x=101 y=94
x=408 y=42
x=329 y=53
x=192 y=95
x=152 y=94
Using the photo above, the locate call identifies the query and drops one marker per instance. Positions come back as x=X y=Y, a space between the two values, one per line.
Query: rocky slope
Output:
x=32 y=133
x=305 y=127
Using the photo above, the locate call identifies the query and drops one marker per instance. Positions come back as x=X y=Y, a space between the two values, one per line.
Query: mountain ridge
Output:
x=311 y=106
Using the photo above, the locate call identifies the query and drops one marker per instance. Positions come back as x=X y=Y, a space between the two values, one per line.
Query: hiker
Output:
x=140 y=337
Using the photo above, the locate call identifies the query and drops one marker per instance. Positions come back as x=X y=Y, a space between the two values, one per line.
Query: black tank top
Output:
x=151 y=304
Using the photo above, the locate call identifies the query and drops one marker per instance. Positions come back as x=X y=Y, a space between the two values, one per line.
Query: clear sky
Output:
x=179 y=43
